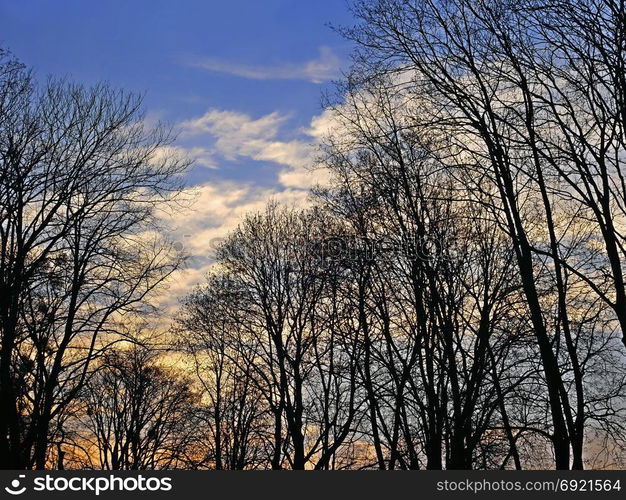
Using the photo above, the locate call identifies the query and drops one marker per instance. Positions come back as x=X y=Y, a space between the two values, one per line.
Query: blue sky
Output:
x=191 y=56
x=240 y=80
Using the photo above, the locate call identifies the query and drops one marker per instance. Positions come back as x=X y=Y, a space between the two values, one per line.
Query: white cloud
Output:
x=237 y=135
x=325 y=67
x=217 y=209
x=220 y=206
x=324 y=124
x=201 y=156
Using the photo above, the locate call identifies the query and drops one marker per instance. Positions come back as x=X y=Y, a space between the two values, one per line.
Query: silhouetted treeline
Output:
x=453 y=298
x=456 y=297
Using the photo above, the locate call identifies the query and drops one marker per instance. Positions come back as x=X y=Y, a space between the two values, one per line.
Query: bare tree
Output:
x=439 y=284
x=477 y=70
x=137 y=415
x=286 y=338
x=81 y=176
x=238 y=421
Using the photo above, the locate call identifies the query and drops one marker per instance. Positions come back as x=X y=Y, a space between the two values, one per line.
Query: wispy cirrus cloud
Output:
x=325 y=67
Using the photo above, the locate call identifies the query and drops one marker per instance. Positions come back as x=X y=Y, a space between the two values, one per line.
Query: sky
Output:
x=241 y=81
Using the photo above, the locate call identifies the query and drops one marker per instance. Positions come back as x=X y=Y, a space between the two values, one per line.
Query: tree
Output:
x=440 y=283
x=278 y=327
x=81 y=178
x=237 y=420
x=137 y=414
x=486 y=79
